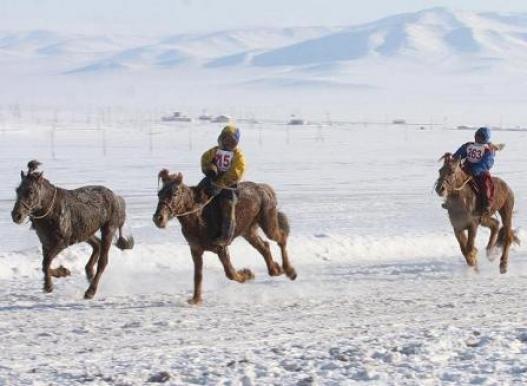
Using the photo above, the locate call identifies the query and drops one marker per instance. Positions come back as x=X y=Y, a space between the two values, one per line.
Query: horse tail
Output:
x=123 y=242
x=283 y=223
x=507 y=236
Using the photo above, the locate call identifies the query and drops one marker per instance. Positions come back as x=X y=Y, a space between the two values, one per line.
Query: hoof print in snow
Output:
x=309 y=381
x=522 y=337
x=240 y=362
x=408 y=349
x=473 y=342
x=161 y=377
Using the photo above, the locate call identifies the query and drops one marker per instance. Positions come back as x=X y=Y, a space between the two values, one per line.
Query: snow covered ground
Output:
x=383 y=296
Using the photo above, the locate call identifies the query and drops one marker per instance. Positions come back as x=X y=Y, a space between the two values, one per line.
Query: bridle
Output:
x=450 y=186
x=174 y=213
x=31 y=208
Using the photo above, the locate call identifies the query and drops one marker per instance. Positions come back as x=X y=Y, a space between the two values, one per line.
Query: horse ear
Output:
x=447 y=157
x=179 y=178
x=22 y=175
x=164 y=175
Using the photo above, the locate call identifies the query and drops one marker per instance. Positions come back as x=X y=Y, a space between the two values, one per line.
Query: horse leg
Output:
x=288 y=268
x=262 y=246
x=49 y=253
x=95 y=243
x=494 y=226
x=276 y=227
x=197 y=257
x=107 y=234
x=462 y=240
x=472 y=252
x=239 y=276
x=506 y=236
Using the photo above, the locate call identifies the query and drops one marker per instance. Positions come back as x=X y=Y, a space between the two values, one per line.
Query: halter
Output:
x=195 y=210
x=172 y=211
x=30 y=208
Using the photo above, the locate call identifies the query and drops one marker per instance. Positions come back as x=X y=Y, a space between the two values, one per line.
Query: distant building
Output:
x=296 y=121
x=222 y=119
x=176 y=117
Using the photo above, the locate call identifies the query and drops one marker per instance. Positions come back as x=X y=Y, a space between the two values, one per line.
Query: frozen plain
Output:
x=383 y=296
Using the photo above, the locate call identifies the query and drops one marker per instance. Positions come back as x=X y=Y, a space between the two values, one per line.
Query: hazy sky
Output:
x=174 y=16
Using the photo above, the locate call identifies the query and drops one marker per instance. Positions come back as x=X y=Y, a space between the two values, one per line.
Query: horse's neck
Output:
x=49 y=201
x=193 y=221
x=462 y=194
x=460 y=177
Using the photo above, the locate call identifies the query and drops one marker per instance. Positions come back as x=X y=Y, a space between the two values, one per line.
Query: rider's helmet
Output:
x=482 y=135
x=229 y=137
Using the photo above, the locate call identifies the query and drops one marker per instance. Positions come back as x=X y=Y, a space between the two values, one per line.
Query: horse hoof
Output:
x=291 y=273
x=472 y=258
x=63 y=271
x=503 y=269
x=246 y=274
x=276 y=270
x=89 y=294
x=195 y=302
x=48 y=288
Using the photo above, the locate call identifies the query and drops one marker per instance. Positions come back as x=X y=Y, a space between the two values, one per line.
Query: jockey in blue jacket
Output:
x=479 y=159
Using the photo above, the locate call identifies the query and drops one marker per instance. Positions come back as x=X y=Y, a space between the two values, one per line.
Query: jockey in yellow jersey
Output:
x=224 y=166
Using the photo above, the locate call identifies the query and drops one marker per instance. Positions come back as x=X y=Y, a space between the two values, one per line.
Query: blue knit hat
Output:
x=483 y=133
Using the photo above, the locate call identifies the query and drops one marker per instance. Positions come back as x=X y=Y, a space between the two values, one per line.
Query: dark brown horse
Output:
x=65 y=217
x=465 y=214
x=198 y=215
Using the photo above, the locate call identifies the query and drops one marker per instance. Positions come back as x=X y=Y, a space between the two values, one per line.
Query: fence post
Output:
x=53 y=129
x=102 y=129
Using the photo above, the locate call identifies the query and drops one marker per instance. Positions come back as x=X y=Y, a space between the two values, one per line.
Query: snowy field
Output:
x=383 y=295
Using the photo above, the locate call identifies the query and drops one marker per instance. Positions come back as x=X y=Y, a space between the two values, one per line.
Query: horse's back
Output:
x=252 y=191
x=503 y=193
x=96 y=205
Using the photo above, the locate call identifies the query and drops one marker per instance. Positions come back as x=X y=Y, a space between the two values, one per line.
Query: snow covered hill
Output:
x=430 y=34
x=436 y=33
x=423 y=55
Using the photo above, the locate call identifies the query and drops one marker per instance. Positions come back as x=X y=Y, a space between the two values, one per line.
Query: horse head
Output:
x=447 y=174
x=30 y=193
x=170 y=198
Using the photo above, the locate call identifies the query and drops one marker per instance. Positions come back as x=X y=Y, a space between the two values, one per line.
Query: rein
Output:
x=463 y=185
x=191 y=211
x=199 y=208
x=33 y=217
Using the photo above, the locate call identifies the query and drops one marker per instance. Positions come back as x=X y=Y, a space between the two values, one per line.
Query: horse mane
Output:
x=32 y=166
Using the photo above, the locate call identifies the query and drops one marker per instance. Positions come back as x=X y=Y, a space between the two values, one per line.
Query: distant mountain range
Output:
x=435 y=35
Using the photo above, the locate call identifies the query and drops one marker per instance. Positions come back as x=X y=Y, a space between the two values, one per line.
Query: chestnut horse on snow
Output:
x=465 y=215
x=198 y=215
